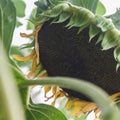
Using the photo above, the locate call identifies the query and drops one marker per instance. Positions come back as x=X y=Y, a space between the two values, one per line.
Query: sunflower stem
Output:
x=95 y=93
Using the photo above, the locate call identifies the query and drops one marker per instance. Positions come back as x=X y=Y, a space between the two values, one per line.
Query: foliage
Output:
x=43 y=112
x=7 y=20
x=14 y=87
x=20 y=10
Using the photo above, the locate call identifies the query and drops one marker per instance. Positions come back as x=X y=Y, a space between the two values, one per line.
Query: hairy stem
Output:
x=93 y=92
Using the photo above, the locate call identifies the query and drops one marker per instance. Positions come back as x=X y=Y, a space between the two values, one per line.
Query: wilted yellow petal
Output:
x=89 y=107
x=70 y=103
x=75 y=111
x=80 y=103
x=26 y=35
x=44 y=75
x=26 y=58
x=115 y=96
x=54 y=89
x=47 y=89
x=36 y=42
x=57 y=95
x=34 y=66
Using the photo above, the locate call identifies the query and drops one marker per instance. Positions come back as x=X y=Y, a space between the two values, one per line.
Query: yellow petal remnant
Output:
x=46 y=89
x=58 y=95
x=79 y=106
x=70 y=103
x=26 y=58
x=115 y=96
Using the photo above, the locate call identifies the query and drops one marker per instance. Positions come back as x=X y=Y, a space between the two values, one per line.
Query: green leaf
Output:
x=89 y=4
x=43 y=112
x=116 y=19
x=20 y=7
x=7 y=22
x=101 y=10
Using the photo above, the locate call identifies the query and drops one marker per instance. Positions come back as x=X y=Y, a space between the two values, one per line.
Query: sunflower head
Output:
x=67 y=42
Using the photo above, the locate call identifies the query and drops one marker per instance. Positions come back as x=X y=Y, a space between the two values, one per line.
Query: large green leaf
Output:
x=20 y=7
x=7 y=22
x=43 y=112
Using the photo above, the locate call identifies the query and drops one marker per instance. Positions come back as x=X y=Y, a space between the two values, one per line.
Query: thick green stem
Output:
x=12 y=108
x=86 y=88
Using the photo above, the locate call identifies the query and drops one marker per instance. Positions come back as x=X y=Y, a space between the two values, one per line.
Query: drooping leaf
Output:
x=20 y=7
x=43 y=112
x=7 y=22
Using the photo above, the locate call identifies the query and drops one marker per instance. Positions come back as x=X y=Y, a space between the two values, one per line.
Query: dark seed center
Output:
x=63 y=52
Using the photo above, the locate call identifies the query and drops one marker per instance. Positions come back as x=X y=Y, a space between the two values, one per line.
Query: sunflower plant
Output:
x=74 y=54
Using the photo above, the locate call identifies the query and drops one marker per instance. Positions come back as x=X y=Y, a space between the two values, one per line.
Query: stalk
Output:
x=95 y=93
